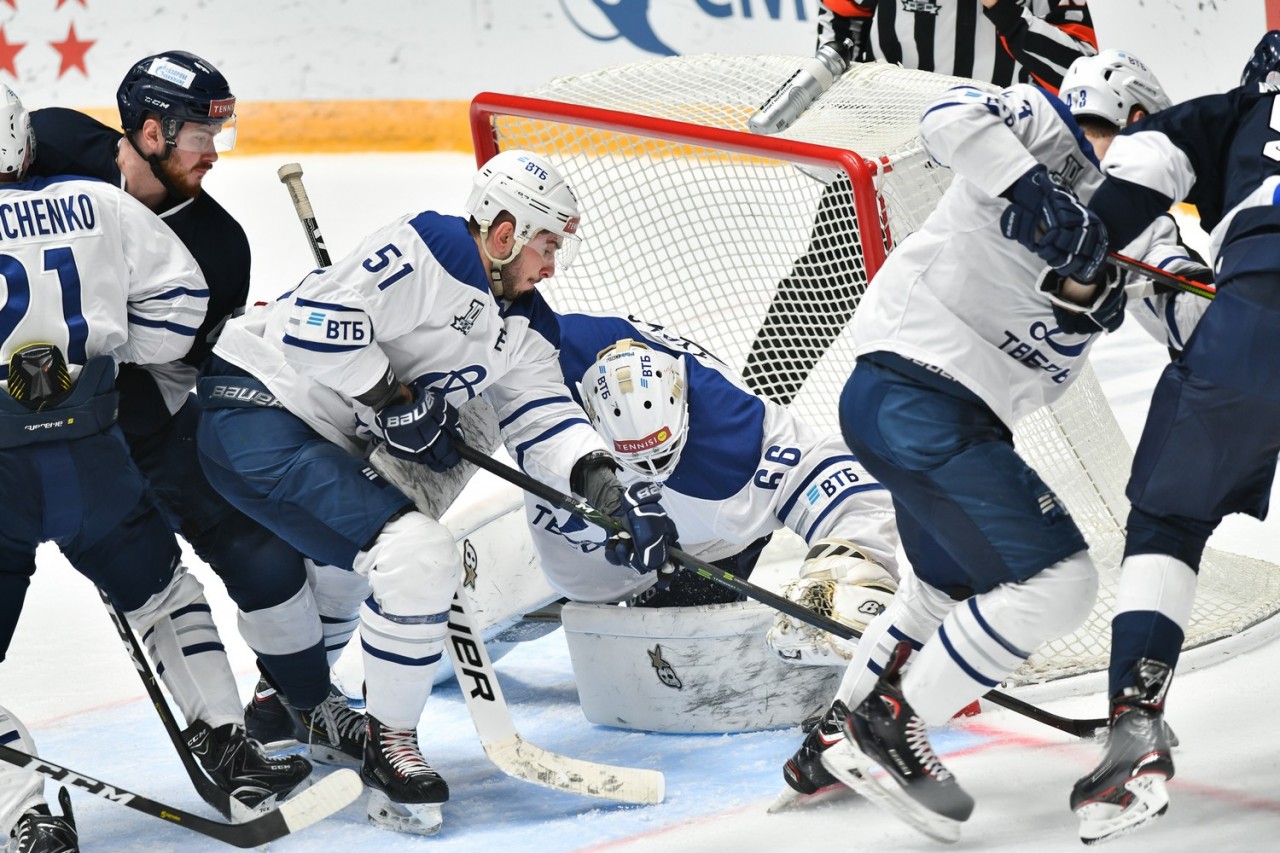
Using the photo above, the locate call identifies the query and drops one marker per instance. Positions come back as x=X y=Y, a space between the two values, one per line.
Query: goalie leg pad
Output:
x=687 y=669
x=179 y=635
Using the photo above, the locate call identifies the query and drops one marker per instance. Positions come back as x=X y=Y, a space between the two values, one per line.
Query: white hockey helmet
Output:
x=529 y=188
x=638 y=401
x=17 y=139
x=1110 y=85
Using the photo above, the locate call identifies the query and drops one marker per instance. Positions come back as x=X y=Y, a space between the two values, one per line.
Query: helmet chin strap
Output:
x=496 y=264
x=154 y=162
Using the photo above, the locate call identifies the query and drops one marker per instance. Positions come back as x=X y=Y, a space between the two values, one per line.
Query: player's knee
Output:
x=182 y=590
x=1049 y=605
x=1181 y=538
x=284 y=628
x=338 y=591
x=259 y=569
x=413 y=566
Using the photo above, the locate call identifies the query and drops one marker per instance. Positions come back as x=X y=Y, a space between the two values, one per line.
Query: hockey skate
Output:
x=41 y=831
x=808 y=782
x=237 y=765
x=884 y=734
x=331 y=732
x=405 y=792
x=1126 y=791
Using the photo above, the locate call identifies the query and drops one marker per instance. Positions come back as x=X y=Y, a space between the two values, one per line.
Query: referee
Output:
x=997 y=41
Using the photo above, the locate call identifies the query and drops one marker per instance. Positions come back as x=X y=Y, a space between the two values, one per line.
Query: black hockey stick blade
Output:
x=205 y=787
x=1079 y=728
x=332 y=793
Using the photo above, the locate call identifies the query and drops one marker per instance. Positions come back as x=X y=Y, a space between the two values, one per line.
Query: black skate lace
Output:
x=918 y=741
x=340 y=722
x=400 y=746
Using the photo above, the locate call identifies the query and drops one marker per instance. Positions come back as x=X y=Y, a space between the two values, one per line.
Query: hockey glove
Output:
x=649 y=534
x=1104 y=314
x=1050 y=221
x=422 y=430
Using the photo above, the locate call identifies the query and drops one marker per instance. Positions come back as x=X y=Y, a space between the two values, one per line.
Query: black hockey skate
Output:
x=807 y=780
x=332 y=732
x=237 y=765
x=884 y=733
x=405 y=791
x=41 y=831
x=1127 y=790
x=267 y=720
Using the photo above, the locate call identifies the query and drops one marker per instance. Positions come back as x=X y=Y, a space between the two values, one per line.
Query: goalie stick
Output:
x=1079 y=728
x=332 y=793
x=510 y=752
x=208 y=791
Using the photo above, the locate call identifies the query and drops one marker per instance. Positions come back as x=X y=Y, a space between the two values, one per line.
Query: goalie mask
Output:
x=1110 y=85
x=17 y=139
x=638 y=402
x=536 y=195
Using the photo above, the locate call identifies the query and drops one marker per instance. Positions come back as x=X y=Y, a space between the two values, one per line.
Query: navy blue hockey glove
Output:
x=1104 y=314
x=649 y=533
x=1050 y=221
x=423 y=430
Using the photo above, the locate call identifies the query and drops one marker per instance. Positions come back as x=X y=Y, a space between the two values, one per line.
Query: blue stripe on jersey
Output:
x=818 y=471
x=181 y=291
x=531 y=405
x=290 y=340
x=839 y=499
x=402 y=660
x=969 y=92
x=1086 y=147
x=534 y=308
x=555 y=430
x=451 y=244
x=328 y=306
x=185 y=331
x=961 y=662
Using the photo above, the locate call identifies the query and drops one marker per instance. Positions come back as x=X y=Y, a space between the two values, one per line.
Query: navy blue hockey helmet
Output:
x=1264 y=62
x=178 y=87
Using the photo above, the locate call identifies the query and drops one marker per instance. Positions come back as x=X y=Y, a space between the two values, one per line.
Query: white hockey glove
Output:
x=839 y=581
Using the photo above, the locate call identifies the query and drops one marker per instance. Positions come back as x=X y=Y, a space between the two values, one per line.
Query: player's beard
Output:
x=184 y=182
x=507 y=276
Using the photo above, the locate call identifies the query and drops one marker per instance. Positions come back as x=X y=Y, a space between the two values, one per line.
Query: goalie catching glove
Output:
x=648 y=535
x=422 y=430
x=838 y=581
x=1049 y=220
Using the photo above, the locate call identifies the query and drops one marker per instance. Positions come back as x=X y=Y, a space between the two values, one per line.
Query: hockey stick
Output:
x=512 y=754
x=208 y=791
x=1079 y=728
x=335 y=791
x=1208 y=291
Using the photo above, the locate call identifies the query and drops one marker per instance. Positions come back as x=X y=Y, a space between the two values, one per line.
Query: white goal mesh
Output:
x=692 y=222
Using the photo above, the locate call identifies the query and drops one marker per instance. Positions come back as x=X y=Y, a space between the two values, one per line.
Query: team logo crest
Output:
x=464 y=322
x=1066 y=174
x=470 y=563
x=666 y=674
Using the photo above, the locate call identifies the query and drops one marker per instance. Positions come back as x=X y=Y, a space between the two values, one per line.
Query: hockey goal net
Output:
x=690 y=221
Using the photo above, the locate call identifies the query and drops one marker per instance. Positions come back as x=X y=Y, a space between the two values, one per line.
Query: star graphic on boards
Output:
x=61 y=3
x=9 y=52
x=73 y=50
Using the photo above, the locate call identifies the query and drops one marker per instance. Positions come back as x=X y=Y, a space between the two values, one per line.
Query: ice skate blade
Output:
x=790 y=799
x=1101 y=821
x=854 y=768
x=413 y=818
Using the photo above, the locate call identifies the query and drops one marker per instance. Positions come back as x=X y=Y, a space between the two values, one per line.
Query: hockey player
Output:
x=1213 y=429
x=733 y=468
x=178 y=115
x=92 y=279
x=995 y=41
x=426 y=313
x=964 y=332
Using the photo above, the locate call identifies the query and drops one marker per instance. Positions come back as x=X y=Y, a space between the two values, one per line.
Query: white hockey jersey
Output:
x=748 y=468
x=85 y=266
x=414 y=296
x=957 y=294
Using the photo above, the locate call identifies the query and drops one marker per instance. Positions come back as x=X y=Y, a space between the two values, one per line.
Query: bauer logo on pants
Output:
x=666 y=674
